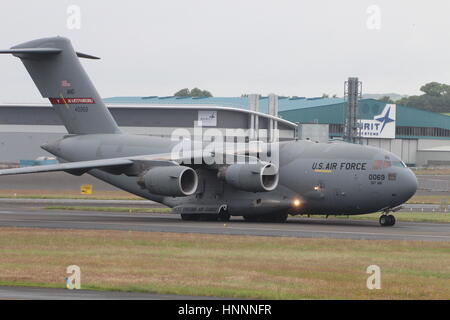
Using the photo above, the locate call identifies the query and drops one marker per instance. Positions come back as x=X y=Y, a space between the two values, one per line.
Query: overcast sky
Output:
x=230 y=47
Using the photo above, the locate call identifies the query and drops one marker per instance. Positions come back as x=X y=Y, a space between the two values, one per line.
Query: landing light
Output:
x=296 y=203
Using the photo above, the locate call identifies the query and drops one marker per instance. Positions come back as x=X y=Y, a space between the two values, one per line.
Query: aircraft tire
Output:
x=283 y=217
x=383 y=220
x=391 y=220
x=251 y=218
x=190 y=217
x=275 y=218
x=387 y=220
x=278 y=218
x=208 y=217
x=223 y=215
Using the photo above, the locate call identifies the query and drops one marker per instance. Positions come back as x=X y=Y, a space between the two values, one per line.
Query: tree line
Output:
x=194 y=93
x=435 y=98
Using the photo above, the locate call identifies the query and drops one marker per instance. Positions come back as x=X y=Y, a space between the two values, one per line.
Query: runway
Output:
x=156 y=222
x=33 y=293
x=149 y=204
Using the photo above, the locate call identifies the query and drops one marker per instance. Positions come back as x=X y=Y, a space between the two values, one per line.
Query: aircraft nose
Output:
x=409 y=185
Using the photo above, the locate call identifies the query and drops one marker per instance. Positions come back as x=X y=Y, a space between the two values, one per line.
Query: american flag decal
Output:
x=65 y=83
x=71 y=101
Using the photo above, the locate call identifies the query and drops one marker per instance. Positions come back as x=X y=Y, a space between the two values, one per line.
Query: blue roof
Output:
x=306 y=110
x=284 y=103
x=368 y=109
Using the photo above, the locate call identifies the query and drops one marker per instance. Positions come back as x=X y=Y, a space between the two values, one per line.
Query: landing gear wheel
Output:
x=391 y=220
x=384 y=220
x=190 y=217
x=223 y=215
x=251 y=218
x=280 y=218
x=275 y=217
x=387 y=220
x=208 y=217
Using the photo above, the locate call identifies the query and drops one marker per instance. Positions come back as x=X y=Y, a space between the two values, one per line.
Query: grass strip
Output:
x=111 y=209
x=68 y=196
x=225 y=266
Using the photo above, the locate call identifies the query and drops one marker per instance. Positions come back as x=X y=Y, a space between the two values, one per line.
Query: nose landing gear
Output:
x=387 y=220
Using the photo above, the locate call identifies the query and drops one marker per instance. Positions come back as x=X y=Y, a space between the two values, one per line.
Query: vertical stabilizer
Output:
x=57 y=72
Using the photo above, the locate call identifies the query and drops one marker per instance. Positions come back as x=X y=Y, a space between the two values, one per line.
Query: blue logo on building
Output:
x=385 y=119
x=381 y=126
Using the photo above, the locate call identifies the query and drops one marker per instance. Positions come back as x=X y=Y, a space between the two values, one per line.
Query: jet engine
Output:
x=176 y=181
x=258 y=177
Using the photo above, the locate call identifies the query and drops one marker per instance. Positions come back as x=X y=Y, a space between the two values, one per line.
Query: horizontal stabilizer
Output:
x=32 y=51
x=42 y=51
x=86 y=56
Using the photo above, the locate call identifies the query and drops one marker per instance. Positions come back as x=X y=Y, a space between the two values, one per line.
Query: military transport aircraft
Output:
x=308 y=178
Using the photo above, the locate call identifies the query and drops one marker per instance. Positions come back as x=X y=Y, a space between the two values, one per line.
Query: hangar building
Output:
x=24 y=128
x=419 y=137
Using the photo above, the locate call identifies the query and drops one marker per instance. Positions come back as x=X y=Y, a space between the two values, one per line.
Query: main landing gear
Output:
x=223 y=216
x=387 y=220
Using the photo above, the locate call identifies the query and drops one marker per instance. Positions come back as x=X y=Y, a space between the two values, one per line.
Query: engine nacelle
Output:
x=257 y=177
x=175 y=181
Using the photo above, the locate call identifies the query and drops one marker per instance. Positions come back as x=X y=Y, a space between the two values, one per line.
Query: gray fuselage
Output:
x=314 y=178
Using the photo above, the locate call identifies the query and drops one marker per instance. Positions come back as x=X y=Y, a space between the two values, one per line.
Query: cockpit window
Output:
x=381 y=164
x=384 y=164
x=399 y=164
x=377 y=164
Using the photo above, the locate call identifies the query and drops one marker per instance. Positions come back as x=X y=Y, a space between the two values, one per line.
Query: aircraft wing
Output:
x=128 y=165
x=80 y=166
x=197 y=155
